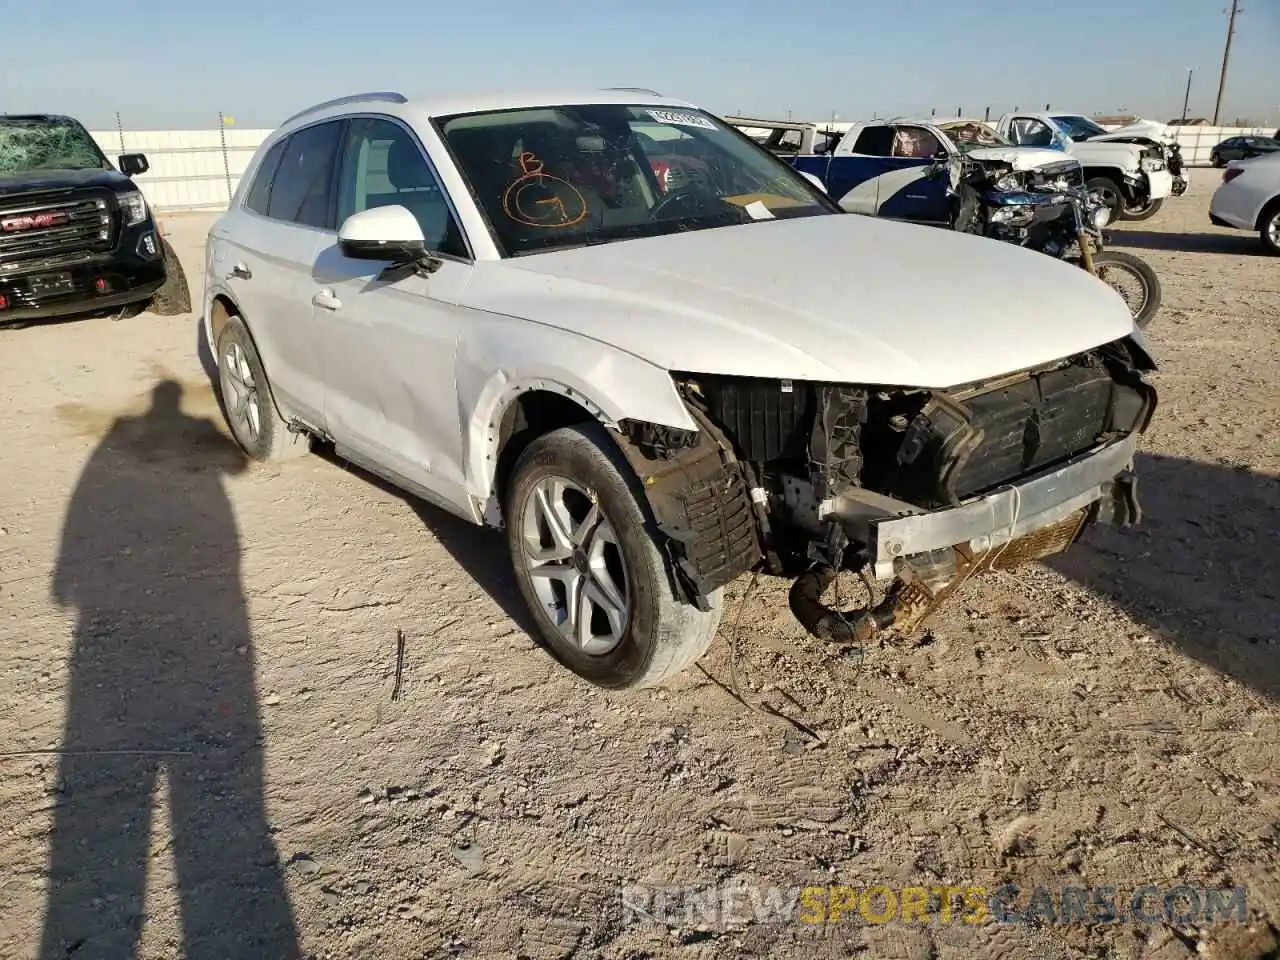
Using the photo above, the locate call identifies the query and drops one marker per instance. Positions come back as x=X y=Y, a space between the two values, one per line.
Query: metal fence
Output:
x=190 y=169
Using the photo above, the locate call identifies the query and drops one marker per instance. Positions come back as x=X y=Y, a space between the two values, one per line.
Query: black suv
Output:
x=76 y=235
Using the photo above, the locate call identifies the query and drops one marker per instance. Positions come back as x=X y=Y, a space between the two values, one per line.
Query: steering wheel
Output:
x=693 y=195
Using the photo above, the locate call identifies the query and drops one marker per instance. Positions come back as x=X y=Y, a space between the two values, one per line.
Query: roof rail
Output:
x=388 y=96
x=652 y=93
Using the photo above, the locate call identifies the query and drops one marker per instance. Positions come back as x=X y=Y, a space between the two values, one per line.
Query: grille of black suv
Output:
x=54 y=227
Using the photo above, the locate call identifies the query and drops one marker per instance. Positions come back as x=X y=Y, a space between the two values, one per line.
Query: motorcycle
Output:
x=1056 y=217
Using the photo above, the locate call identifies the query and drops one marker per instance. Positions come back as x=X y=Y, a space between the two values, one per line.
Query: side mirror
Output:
x=132 y=164
x=941 y=156
x=389 y=234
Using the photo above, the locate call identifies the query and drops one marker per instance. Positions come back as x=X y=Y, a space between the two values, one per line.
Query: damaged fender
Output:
x=610 y=384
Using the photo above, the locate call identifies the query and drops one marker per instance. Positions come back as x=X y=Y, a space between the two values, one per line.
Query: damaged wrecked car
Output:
x=656 y=385
x=77 y=237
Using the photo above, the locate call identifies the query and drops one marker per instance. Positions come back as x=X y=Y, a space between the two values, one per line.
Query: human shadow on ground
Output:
x=161 y=687
x=1235 y=244
x=1202 y=570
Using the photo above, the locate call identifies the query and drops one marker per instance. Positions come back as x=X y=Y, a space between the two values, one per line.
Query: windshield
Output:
x=46 y=143
x=564 y=176
x=1078 y=128
x=969 y=134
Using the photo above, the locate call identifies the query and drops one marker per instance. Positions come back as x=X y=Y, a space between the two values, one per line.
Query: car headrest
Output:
x=406 y=168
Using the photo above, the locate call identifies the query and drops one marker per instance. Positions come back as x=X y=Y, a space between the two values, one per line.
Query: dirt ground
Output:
x=203 y=727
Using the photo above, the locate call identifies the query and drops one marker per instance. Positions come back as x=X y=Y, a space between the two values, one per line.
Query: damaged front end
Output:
x=915 y=489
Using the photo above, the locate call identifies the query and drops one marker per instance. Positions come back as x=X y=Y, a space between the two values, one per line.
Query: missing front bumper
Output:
x=925 y=556
x=1007 y=514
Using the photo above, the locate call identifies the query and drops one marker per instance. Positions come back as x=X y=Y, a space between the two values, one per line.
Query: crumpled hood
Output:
x=1021 y=158
x=1139 y=128
x=1126 y=155
x=843 y=297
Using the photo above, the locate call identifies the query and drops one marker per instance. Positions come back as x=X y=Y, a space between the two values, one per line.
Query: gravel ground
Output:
x=1108 y=719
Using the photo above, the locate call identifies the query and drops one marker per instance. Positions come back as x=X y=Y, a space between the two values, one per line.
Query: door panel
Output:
x=892 y=178
x=389 y=337
x=910 y=192
x=388 y=347
x=816 y=165
x=288 y=210
x=273 y=293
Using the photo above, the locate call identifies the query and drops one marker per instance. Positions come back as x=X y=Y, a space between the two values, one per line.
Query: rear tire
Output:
x=247 y=404
x=1135 y=267
x=1269 y=231
x=1111 y=195
x=581 y=539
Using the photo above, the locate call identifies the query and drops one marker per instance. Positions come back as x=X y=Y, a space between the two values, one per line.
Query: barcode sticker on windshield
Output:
x=681 y=119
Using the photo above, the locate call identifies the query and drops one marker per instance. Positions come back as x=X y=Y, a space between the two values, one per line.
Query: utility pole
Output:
x=1226 y=55
x=1187 y=99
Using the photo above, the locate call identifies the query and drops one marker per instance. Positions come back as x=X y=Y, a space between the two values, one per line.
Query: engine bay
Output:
x=754 y=487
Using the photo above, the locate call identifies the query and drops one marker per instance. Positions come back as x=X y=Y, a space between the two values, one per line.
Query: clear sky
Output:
x=177 y=63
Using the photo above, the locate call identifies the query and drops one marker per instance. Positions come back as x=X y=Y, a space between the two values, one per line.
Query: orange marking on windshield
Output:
x=537 y=199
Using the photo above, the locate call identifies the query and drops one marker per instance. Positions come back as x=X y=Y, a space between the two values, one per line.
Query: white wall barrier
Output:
x=200 y=169
x=190 y=169
x=1196 y=142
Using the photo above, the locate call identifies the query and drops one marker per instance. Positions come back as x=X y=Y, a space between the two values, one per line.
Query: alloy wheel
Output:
x=575 y=565
x=240 y=393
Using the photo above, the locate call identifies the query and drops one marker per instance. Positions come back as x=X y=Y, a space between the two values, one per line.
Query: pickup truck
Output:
x=1155 y=136
x=787 y=137
x=1134 y=179
x=898 y=169
x=76 y=234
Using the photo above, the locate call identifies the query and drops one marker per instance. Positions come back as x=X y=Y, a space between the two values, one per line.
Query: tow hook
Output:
x=828 y=624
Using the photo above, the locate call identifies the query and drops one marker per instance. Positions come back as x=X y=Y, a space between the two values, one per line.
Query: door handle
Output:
x=326 y=300
x=241 y=271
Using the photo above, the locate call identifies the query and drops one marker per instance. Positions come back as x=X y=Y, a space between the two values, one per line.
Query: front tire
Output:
x=586 y=558
x=1145 y=211
x=1115 y=267
x=247 y=404
x=1109 y=192
x=174 y=297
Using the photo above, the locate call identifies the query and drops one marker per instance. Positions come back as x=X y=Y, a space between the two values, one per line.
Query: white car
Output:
x=509 y=306
x=1249 y=198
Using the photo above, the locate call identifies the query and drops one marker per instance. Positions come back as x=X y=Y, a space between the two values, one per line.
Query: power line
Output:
x=1226 y=55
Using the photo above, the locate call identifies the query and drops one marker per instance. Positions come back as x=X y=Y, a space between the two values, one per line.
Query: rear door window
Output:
x=260 y=191
x=302 y=191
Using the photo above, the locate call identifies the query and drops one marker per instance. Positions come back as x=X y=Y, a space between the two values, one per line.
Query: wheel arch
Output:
x=221 y=309
x=528 y=413
x=687 y=480
x=1268 y=209
x=1092 y=172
